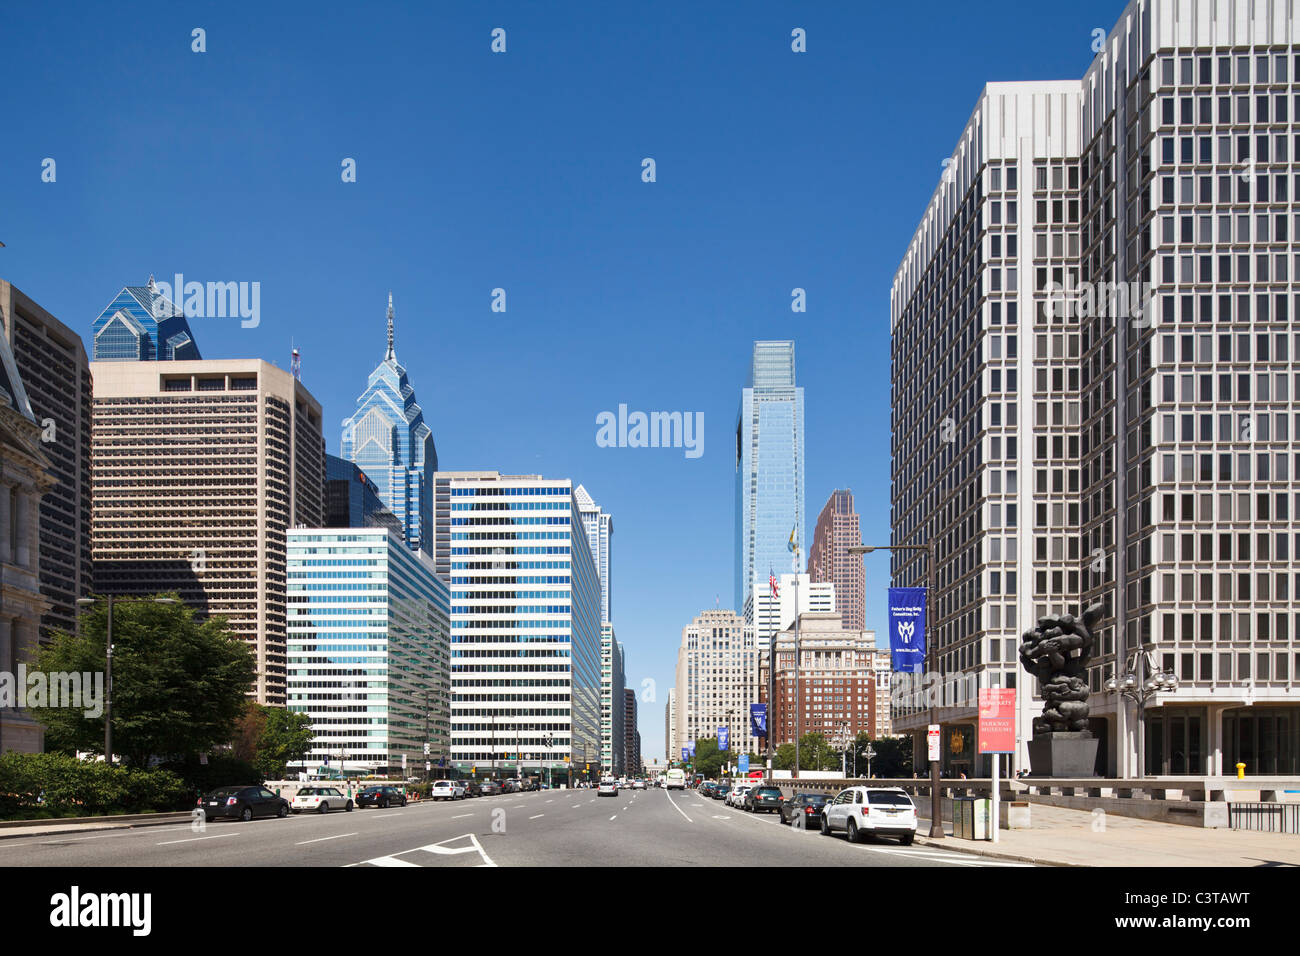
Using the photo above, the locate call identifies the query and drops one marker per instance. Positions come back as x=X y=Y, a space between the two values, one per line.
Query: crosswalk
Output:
x=463 y=850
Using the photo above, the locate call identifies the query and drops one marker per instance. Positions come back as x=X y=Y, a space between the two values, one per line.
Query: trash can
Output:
x=971 y=818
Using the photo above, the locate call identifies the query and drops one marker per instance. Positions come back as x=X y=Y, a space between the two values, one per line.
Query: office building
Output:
x=25 y=476
x=352 y=500
x=829 y=559
x=442 y=515
x=143 y=325
x=612 y=683
x=631 y=739
x=55 y=373
x=775 y=612
x=198 y=471
x=368 y=651
x=600 y=532
x=831 y=690
x=525 y=624
x=672 y=749
x=769 y=471
x=1093 y=395
x=388 y=440
x=715 y=684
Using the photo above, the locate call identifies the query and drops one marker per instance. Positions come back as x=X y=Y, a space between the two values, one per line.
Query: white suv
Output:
x=447 y=790
x=736 y=798
x=868 y=811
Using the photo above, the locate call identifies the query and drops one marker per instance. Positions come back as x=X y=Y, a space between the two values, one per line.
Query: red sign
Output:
x=756 y=775
x=997 y=731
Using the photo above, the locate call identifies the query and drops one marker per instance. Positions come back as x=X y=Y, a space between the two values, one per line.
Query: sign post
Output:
x=997 y=734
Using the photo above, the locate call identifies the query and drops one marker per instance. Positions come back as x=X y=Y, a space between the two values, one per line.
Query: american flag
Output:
x=771 y=582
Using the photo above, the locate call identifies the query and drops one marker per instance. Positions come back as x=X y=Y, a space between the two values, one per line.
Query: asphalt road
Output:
x=549 y=828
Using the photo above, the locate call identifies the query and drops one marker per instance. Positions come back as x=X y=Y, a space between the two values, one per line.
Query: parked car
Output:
x=736 y=796
x=447 y=790
x=807 y=805
x=490 y=788
x=719 y=791
x=762 y=800
x=320 y=799
x=871 y=811
x=607 y=788
x=382 y=796
x=242 y=803
x=472 y=788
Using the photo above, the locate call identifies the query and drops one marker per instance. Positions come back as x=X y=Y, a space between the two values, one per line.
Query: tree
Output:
x=179 y=685
x=285 y=736
x=814 y=754
x=892 y=756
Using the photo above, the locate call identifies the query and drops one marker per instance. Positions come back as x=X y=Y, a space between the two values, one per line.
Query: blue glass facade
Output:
x=769 y=469
x=387 y=437
x=140 y=325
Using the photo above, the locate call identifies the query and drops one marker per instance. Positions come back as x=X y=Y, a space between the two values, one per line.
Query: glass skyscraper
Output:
x=141 y=325
x=387 y=437
x=769 y=470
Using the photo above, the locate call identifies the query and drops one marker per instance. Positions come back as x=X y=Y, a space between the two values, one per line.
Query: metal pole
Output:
x=798 y=700
x=108 y=688
x=936 y=804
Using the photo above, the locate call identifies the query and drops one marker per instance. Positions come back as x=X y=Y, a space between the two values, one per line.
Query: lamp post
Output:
x=1140 y=683
x=108 y=670
x=932 y=577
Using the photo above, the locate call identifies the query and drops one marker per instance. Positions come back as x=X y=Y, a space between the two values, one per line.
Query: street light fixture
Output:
x=1141 y=683
x=932 y=577
x=108 y=669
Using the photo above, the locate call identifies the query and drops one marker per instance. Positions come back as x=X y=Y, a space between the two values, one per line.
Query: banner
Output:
x=686 y=754
x=997 y=729
x=907 y=630
x=758 y=720
x=722 y=738
x=691 y=748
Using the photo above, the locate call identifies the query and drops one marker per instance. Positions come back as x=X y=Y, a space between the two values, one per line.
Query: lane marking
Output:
x=536 y=815
x=460 y=815
x=614 y=817
x=194 y=839
x=674 y=805
x=322 y=839
x=389 y=861
x=576 y=805
x=383 y=816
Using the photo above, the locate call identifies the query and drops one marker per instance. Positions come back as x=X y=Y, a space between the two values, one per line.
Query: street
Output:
x=548 y=828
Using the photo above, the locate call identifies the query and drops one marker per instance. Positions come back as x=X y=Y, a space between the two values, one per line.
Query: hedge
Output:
x=38 y=786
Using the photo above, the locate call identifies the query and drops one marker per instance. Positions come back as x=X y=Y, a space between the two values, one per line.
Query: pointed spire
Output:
x=390 y=356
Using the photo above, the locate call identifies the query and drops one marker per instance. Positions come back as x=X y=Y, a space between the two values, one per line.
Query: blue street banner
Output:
x=744 y=763
x=758 y=720
x=722 y=738
x=686 y=753
x=691 y=747
x=907 y=630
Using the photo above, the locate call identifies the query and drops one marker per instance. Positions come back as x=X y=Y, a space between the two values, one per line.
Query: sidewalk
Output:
x=16 y=829
x=1063 y=837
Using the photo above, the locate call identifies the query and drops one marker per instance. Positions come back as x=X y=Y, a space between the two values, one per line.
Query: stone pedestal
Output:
x=1063 y=754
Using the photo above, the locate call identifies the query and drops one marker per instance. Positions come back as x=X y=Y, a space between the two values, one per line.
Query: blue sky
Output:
x=522 y=171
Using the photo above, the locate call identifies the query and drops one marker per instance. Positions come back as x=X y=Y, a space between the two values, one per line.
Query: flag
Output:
x=793 y=545
x=771 y=583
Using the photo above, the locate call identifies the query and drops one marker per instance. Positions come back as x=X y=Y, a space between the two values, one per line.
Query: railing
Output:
x=1268 y=817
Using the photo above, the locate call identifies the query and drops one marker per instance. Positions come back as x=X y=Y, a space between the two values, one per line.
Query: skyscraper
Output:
x=769 y=470
x=612 y=682
x=717 y=669
x=352 y=500
x=197 y=471
x=142 y=325
x=600 y=532
x=387 y=437
x=829 y=559
x=1093 y=389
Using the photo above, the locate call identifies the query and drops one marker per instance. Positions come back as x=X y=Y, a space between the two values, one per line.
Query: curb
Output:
x=23 y=828
x=980 y=851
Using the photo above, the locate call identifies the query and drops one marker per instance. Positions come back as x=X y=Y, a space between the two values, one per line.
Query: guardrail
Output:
x=1267 y=817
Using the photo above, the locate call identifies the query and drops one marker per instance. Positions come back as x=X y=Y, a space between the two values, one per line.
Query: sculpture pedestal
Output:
x=1063 y=754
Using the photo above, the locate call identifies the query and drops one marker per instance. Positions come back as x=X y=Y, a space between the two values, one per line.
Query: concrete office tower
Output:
x=716 y=675
x=142 y=325
x=777 y=613
x=368 y=651
x=631 y=739
x=198 y=470
x=884 y=689
x=525 y=624
x=829 y=559
x=769 y=470
x=387 y=437
x=25 y=476
x=836 y=686
x=56 y=375
x=672 y=748
x=1139 y=395
x=612 y=681
x=442 y=515
x=600 y=532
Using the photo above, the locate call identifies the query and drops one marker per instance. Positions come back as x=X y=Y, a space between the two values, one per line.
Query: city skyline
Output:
x=319 y=294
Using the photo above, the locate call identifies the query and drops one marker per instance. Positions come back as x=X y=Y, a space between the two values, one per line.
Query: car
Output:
x=320 y=799
x=242 y=803
x=638 y=784
x=490 y=788
x=382 y=796
x=762 y=800
x=719 y=791
x=806 y=807
x=871 y=811
x=509 y=786
x=607 y=788
x=736 y=796
x=472 y=788
x=447 y=790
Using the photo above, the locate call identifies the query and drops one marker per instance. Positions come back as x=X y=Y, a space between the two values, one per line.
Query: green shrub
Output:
x=39 y=786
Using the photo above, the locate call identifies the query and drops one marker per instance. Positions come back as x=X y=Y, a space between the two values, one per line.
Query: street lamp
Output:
x=932 y=576
x=1140 y=683
x=108 y=670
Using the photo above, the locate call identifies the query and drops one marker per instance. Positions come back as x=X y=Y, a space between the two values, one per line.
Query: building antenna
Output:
x=295 y=361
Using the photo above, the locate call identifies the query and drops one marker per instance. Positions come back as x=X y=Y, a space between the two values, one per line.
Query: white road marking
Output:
x=614 y=817
x=536 y=815
x=192 y=840
x=322 y=839
x=676 y=807
x=389 y=861
x=519 y=806
x=383 y=816
x=576 y=805
x=460 y=815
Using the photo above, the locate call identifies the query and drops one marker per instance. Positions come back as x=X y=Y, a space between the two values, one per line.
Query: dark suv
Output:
x=242 y=803
x=381 y=796
x=763 y=800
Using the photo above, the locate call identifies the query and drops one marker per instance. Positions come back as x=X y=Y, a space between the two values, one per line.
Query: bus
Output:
x=675 y=779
